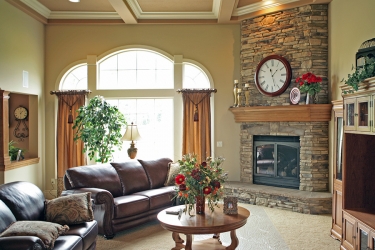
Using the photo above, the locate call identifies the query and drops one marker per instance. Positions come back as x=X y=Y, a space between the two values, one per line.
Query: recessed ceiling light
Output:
x=266 y=2
x=74 y=1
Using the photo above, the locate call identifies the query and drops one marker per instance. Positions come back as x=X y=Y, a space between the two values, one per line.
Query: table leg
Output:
x=179 y=242
x=189 y=241
x=217 y=236
x=234 y=239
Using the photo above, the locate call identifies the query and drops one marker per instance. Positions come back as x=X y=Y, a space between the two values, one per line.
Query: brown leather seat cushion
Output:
x=160 y=197
x=130 y=205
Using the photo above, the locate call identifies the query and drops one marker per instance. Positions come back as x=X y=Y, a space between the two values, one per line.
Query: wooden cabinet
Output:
x=358 y=172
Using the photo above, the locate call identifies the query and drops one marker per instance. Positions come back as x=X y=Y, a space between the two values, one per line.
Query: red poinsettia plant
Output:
x=200 y=179
x=309 y=83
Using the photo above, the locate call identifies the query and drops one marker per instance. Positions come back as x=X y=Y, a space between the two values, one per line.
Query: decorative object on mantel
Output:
x=295 y=95
x=247 y=94
x=239 y=91
x=131 y=134
x=310 y=84
x=197 y=182
x=21 y=114
x=235 y=93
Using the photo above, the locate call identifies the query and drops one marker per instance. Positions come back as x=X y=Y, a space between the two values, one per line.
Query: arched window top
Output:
x=75 y=78
x=194 y=77
x=135 y=69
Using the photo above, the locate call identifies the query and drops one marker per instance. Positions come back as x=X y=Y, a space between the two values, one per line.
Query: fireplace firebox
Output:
x=276 y=161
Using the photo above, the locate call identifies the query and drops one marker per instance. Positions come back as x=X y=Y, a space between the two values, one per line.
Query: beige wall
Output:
x=22 y=48
x=350 y=24
x=216 y=47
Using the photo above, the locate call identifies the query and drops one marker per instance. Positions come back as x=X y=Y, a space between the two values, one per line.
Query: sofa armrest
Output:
x=21 y=243
x=103 y=207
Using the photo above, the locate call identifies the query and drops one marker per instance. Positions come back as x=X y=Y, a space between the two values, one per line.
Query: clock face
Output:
x=20 y=113
x=273 y=75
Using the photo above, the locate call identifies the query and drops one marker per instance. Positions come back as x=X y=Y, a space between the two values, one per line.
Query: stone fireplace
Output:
x=300 y=35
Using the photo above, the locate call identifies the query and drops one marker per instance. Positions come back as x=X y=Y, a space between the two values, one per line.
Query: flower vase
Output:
x=200 y=203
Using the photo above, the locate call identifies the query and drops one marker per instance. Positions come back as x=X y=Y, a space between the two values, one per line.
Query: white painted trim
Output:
x=140 y=14
x=83 y=15
x=259 y=6
x=38 y=7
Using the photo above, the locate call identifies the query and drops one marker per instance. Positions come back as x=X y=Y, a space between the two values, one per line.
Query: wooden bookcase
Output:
x=358 y=180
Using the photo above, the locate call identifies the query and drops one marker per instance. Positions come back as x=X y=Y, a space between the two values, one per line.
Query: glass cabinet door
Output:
x=339 y=136
x=362 y=114
x=363 y=237
x=349 y=114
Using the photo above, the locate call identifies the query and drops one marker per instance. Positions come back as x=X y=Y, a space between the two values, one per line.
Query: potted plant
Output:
x=360 y=74
x=197 y=182
x=310 y=84
x=14 y=151
x=99 y=126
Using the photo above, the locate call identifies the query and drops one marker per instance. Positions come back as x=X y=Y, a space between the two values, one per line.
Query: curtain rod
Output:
x=197 y=90
x=69 y=92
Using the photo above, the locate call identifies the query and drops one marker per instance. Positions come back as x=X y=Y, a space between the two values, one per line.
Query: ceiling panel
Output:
x=176 y=5
x=83 y=5
x=242 y=3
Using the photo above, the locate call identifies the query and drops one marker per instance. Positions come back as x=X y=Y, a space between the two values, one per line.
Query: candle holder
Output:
x=235 y=93
x=239 y=91
x=247 y=94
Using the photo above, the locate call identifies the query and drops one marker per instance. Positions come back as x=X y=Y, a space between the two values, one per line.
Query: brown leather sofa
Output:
x=124 y=194
x=23 y=201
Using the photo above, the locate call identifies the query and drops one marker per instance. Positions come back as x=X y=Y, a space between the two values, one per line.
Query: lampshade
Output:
x=131 y=133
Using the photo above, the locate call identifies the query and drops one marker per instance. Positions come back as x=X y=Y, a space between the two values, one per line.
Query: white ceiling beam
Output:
x=124 y=12
x=226 y=10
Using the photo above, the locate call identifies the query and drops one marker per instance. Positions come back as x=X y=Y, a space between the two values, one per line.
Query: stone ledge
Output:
x=281 y=198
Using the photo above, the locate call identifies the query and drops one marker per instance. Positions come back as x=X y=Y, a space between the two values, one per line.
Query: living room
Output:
x=47 y=51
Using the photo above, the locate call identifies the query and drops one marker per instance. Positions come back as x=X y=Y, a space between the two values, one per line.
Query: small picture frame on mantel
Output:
x=230 y=205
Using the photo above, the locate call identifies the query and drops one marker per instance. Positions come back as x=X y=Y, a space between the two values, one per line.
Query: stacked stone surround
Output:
x=301 y=36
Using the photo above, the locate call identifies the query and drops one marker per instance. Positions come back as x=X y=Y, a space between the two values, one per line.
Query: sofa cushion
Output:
x=70 y=209
x=173 y=171
x=132 y=175
x=24 y=199
x=46 y=231
x=130 y=205
x=6 y=217
x=156 y=171
x=88 y=231
x=102 y=176
x=160 y=197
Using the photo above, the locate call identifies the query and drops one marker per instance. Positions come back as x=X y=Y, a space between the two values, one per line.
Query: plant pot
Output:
x=200 y=204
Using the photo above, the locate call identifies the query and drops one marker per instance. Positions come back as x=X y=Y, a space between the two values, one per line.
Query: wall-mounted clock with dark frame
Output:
x=273 y=75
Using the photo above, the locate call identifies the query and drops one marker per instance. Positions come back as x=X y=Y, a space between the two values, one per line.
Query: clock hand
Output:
x=275 y=72
x=272 y=78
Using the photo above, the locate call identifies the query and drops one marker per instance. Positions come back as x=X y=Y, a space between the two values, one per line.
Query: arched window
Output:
x=136 y=69
x=75 y=78
x=194 y=77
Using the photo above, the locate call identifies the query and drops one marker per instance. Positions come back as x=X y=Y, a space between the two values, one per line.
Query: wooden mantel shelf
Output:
x=288 y=113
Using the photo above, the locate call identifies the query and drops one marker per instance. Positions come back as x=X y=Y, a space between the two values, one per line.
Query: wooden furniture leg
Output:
x=217 y=236
x=189 y=240
x=179 y=242
x=234 y=239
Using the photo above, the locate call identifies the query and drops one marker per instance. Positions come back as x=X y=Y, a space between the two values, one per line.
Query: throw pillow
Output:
x=46 y=231
x=173 y=170
x=70 y=209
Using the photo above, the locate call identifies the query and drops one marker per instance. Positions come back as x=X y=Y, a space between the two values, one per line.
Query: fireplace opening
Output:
x=276 y=161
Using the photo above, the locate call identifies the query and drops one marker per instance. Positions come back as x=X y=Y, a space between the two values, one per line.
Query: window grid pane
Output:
x=75 y=79
x=136 y=69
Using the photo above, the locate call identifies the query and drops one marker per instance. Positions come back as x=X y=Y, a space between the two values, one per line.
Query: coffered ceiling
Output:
x=153 y=11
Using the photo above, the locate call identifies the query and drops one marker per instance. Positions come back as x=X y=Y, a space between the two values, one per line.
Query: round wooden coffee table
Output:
x=209 y=223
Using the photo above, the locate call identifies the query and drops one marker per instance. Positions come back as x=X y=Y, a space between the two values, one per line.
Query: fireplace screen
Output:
x=276 y=160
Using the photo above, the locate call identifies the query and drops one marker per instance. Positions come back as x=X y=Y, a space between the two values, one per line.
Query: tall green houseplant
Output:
x=99 y=126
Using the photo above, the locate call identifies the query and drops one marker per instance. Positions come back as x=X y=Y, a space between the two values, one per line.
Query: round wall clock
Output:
x=20 y=113
x=272 y=76
x=21 y=131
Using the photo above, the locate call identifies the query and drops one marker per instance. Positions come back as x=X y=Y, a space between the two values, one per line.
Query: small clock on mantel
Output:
x=273 y=75
x=21 y=131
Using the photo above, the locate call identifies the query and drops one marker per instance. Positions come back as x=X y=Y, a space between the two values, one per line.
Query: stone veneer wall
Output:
x=313 y=153
x=301 y=36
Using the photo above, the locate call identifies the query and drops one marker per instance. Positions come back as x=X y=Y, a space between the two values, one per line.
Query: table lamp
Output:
x=131 y=134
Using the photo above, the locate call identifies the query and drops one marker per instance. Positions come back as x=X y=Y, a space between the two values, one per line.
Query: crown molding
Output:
x=140 y=14
x=83 y=15
x=260 y=6
x=38 y=7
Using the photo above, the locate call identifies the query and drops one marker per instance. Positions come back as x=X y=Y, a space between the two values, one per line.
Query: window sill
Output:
x=20 y=164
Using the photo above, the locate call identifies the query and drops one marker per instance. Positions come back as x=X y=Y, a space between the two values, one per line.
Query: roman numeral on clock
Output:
x=262 y=83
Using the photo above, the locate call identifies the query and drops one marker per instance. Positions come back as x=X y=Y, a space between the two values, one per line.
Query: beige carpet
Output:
x=266 y=229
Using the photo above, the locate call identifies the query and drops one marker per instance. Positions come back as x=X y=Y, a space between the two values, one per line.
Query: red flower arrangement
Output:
x=200 y=179
x=309 y=83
